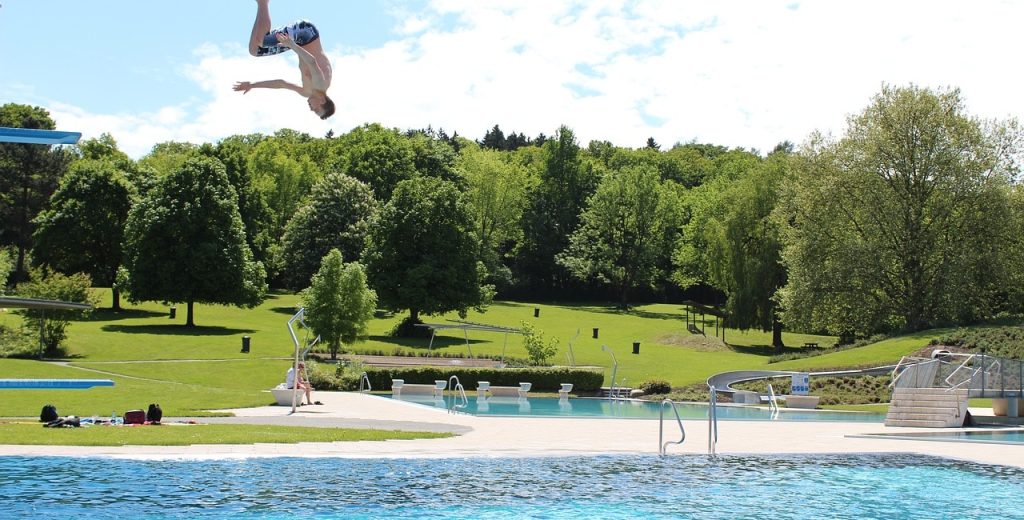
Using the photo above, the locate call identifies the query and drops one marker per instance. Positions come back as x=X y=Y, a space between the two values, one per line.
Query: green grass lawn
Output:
x=154 y=359
x=183 y=435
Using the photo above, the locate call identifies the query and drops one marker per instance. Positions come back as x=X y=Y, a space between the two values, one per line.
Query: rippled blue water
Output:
x=805 y=487
x=630 y=409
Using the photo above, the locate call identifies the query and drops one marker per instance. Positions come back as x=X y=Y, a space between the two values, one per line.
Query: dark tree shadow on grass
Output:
x=632 y=311
x=175 y=330
x=106 y=314
x=290 y=311
x=757 y=350
x=440 y=342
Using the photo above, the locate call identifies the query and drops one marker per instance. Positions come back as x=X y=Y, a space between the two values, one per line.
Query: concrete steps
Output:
x=927 y=407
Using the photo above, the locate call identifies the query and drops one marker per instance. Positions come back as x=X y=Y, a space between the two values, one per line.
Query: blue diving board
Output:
x=52 y=384
x=32 y=136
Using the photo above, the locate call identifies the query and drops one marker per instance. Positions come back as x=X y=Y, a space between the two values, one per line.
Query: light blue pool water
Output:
x=629 y=409
x=648 y=487
x=986 y=436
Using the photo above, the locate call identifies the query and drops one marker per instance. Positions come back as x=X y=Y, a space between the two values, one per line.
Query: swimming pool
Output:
x=994 y=436
x=803 y=487
x=629 y=409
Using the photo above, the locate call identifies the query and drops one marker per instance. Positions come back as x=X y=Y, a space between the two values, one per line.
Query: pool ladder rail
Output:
x=773 y=403
x=364 y=379
x=662 y=444
x=459 y=400
x=712 y=421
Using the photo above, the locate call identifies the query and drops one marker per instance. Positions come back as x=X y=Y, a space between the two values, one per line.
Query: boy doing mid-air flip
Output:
x=303 y=38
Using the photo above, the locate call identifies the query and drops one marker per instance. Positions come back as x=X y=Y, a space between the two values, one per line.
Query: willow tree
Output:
x=903 y=222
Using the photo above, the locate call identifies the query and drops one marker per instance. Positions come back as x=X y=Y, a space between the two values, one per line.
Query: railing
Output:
x=981 y=374
x=460 y=392
x=615 y=369
x=364 y=378
x=712 y=420
x=773 y=403
x=663 y=446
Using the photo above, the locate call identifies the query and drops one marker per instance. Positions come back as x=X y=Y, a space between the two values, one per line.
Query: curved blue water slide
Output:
x=52 y=384
x=33 y=136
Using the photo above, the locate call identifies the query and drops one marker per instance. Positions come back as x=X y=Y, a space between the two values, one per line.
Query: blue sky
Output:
x=741 y=73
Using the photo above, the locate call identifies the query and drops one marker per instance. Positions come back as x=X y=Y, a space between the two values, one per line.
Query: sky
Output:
x=737 y=73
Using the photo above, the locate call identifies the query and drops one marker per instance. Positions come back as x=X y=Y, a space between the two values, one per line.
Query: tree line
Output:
x=911 y=218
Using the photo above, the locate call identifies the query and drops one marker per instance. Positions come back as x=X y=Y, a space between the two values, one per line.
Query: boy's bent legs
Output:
x=260 y=27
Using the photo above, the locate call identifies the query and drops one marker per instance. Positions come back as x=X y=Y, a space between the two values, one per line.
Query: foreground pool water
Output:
x=858 y=486
x=629 y=409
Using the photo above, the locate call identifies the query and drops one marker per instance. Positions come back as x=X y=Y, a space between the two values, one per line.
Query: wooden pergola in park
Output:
x=467 y=326
x=692 y=308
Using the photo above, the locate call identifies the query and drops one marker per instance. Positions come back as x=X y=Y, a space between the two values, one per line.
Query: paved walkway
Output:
x=529 y=436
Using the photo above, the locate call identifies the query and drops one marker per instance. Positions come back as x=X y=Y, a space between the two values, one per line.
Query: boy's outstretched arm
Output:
x=244 y=86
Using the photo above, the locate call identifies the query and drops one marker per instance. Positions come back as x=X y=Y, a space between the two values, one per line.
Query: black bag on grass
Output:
x=154 y=414
x=48 y=414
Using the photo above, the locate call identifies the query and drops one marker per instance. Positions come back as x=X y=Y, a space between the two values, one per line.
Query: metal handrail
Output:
x=570 y=354
x=615 y=369
x=966 y=360
x=459 y=392
x=663 y=446
x=364 y=377
x=773 y=403
x=712 y=420
x=896 y=373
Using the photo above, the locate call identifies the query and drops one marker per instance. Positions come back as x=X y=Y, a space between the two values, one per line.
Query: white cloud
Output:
x=739 y=73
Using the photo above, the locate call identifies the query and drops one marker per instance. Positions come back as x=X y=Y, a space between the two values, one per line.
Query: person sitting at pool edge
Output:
x=303 y=38
x=303 y=382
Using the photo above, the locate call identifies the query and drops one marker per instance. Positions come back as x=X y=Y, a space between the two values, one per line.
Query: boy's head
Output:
x=321 y=105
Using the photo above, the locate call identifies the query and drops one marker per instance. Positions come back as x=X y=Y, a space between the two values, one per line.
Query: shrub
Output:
x=537 y=349
x=51 y=285
x=18 y=343
x=656 y=387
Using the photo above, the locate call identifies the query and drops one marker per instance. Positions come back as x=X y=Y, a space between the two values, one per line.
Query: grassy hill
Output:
x=153 y=358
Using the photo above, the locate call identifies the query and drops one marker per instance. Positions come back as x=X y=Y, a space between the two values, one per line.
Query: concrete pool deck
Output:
x=535 y=436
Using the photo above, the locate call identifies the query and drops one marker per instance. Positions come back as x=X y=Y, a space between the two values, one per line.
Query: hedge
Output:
x=543 y=379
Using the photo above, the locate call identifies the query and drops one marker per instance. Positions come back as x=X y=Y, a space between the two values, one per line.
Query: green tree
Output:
x=553 y=212
x=496 y=198
x=29 y=174
x=168 y=157
x=257 y=216
x=336 y=217
x=619 y=239
x=51 y=325
x=283 y=177
x=743 y=248
x=901 y=223
x=376 y=155
x=83 y=229
x=422 y=255
x=184 y=242
x=339 y=304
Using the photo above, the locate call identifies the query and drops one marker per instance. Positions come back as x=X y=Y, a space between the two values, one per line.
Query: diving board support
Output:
x=35 y=136
x=53 y=384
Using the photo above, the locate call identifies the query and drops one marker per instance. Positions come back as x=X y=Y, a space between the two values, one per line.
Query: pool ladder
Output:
x=663 y=446
x=459 y=400
x=712 y=420
x=364 y=379
x=773 y=403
